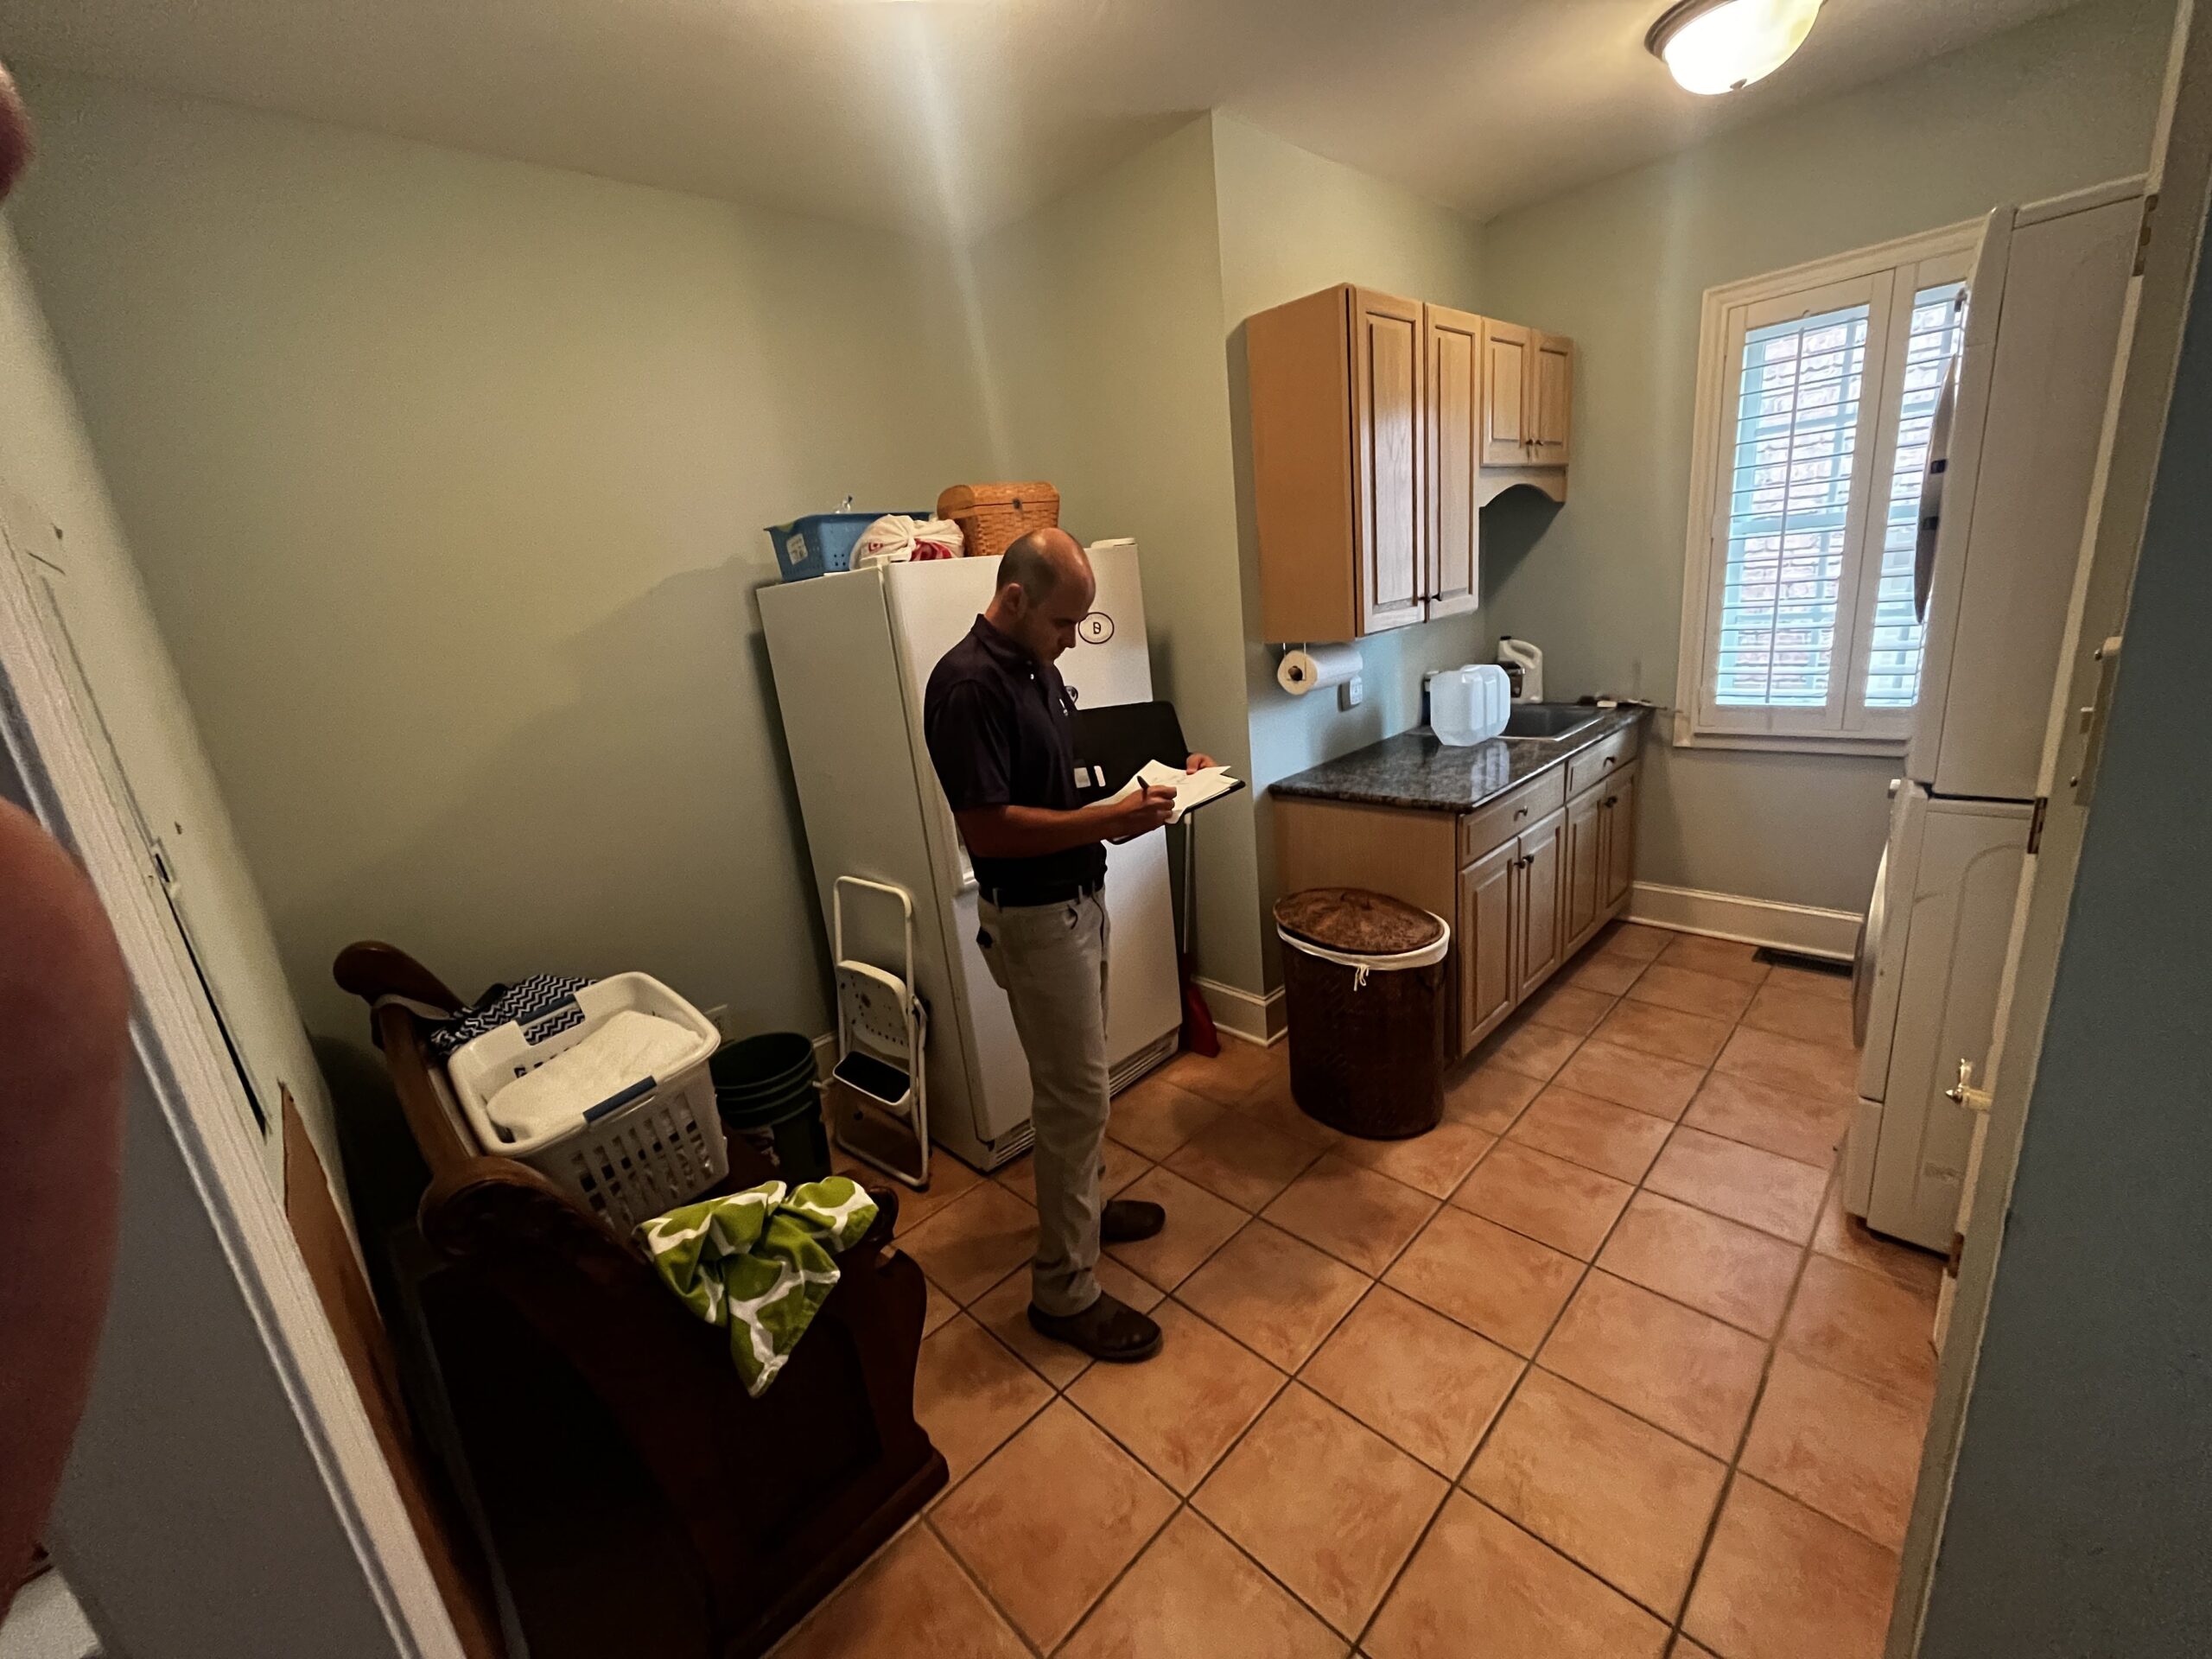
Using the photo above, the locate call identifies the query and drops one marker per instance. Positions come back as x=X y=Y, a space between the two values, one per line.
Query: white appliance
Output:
x=1529 y=659
x=852 y=654
x=2011 y=460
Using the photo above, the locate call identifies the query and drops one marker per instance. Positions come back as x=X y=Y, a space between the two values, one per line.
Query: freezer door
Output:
x=2042 y=335
x=1959 y=918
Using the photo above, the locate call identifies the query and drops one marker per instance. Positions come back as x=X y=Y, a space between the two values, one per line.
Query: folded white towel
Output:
x=629 y=1048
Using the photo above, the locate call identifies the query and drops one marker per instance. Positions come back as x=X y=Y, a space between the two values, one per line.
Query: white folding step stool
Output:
x=878 y=1092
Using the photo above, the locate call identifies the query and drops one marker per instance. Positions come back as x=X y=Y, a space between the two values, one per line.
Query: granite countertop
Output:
x=1414 y=770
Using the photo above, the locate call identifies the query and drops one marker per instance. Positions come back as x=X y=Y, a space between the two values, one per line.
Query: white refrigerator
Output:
x=2011 y=461
x=852 y=654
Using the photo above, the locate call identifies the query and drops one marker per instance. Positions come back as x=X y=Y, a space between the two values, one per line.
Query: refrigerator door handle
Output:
x=1931 y=492
x=1869 y=952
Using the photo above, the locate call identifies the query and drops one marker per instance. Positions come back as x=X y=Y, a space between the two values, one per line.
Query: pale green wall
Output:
x=1291 y=222
x=47 y=462
x=447 y=477
x=1621 y=266
x=1102 y=373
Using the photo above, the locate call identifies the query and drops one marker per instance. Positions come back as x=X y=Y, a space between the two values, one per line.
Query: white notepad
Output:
x=1192 y=788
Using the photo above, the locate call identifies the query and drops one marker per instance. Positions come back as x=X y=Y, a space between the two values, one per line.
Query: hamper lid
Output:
x=1356 y=922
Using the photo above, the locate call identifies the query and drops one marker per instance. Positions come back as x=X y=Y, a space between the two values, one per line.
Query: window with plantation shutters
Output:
x=1817 y=392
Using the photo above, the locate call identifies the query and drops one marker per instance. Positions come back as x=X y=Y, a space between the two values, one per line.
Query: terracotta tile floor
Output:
x=1598 y=1368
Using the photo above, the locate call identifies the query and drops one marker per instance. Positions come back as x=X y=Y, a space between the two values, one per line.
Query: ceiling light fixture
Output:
x=1718 y=45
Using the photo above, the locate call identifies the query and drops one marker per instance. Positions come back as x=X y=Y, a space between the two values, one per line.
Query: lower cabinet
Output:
x=1489 y=978
x=1587 y=874
x=1519 y=906
x=1543 y=862
x=1510 y=925
x=1616 y=837
x=1600 y=856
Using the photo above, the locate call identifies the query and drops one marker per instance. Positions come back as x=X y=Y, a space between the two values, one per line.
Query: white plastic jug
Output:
x=1468 y=705
x=1531 y=660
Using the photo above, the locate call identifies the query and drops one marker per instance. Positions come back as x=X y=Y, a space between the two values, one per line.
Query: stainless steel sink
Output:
x=1549 y=722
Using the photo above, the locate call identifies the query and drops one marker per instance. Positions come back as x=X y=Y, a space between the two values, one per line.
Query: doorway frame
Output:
x=2177 y=194
x=326 y=1478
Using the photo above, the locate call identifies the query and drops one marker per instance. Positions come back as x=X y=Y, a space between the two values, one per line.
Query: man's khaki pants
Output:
x=1050 y=961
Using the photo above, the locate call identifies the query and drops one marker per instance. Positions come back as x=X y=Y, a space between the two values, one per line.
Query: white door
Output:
x=2043 y=331
x=1960 y=901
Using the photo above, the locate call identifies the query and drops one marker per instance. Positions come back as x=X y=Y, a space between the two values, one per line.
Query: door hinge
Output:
x=2143 y=232
x=2035 y=824
x=2094 y=717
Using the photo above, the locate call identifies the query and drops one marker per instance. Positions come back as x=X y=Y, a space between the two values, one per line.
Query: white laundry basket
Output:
x=637 y=1154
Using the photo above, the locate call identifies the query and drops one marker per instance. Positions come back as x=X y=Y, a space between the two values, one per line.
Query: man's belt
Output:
x=1026 y=895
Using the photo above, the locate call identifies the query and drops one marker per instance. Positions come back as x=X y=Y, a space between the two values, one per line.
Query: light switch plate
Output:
x=1351 y=693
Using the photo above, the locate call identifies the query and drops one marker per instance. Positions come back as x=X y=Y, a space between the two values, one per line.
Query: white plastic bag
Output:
x=895 y=539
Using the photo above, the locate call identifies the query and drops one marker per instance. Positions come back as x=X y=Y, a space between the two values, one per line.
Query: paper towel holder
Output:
x=1291 y=674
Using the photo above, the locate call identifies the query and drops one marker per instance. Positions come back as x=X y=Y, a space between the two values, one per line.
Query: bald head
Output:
x=1044 y=588
x=1038 y=561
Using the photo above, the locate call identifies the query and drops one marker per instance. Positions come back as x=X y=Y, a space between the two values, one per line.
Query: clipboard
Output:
x=1112 y=743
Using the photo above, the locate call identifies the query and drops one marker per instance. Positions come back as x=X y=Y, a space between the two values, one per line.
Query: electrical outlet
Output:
x=719 y=1016
x=1351 y=693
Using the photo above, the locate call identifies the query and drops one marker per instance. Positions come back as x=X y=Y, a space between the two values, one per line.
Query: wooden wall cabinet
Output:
x=1525 y=880
x=1376 y=438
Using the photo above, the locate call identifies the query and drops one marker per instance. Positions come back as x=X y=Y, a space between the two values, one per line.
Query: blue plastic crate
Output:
x=821 y=542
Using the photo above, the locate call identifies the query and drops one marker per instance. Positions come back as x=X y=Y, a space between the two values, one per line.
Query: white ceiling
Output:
x=946 y=116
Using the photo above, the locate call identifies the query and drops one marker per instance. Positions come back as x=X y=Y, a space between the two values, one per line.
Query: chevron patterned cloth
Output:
x=758 y=1261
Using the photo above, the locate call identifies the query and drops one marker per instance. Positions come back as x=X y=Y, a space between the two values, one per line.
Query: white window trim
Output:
x=1713 y=378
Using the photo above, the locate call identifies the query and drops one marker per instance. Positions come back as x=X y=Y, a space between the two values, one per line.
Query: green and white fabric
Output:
x=760 y=1262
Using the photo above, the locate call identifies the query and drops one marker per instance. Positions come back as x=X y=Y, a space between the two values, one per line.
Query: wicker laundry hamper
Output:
x=1363 y=984
x=990 y=516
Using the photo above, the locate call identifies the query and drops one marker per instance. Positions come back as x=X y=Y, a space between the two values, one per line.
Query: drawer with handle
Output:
x=1492 y=825
x=1601 y=760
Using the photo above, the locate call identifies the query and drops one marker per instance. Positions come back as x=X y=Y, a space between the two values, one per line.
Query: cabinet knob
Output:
x=1612 y=800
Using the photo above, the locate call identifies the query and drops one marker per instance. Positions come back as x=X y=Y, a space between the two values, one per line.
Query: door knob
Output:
x=1964 y=1092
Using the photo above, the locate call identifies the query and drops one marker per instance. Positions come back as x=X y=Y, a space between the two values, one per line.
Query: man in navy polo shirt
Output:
x=996 y=718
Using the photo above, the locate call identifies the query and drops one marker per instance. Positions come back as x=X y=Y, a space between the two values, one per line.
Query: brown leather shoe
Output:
x=1124 y=1221
x=1110 y=1329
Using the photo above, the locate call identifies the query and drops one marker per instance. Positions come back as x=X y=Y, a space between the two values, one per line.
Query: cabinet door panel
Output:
x=1543 y=860
x=1620 y=835
x=1585 y=875
x=1486 y=938
x=1454 y=455
x=1387 y=390
x=1552 y=375
x=1506 y=431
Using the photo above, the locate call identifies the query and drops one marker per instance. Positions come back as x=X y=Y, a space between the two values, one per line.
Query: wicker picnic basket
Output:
x=991 y=515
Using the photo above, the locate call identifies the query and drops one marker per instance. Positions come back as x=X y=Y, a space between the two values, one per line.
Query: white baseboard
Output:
x=1245 y=1013
x=825 y=1053
x=1804 y=928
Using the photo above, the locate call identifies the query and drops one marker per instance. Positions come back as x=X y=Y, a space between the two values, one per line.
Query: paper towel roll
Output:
x=1302 y=670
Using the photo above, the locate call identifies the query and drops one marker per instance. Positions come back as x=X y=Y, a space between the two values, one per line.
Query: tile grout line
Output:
x=970 y=1574
x=1528 y=1365
x=1182 y=1500
x=1590 y=1266
x=1743 y=1439
x=1293 y=1376
x=1290 y=1379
